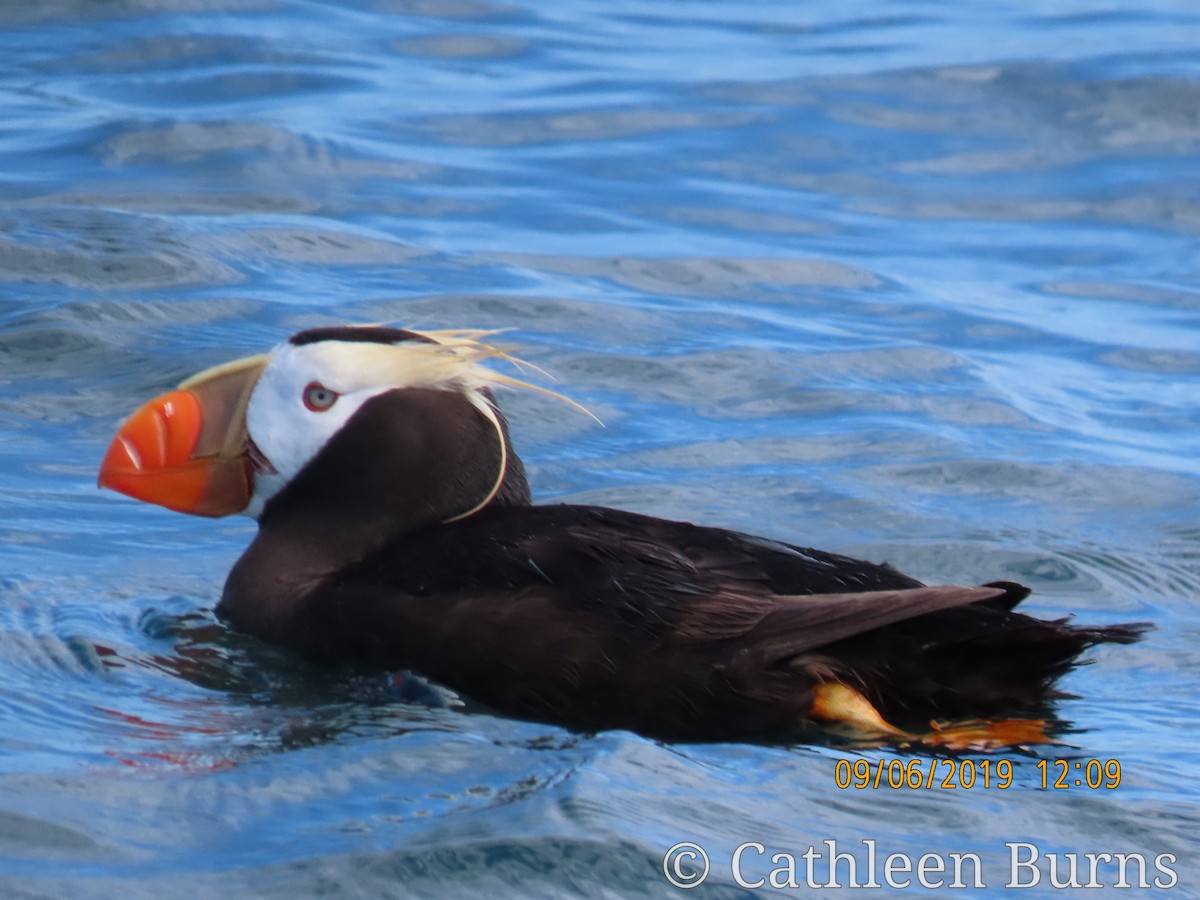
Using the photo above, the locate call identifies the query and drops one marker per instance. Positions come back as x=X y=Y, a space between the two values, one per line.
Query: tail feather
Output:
x=982 y=661
x=1125 y=633
x=1013 y=594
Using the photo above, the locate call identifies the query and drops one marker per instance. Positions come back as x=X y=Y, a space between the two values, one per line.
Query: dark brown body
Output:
x=596 y=618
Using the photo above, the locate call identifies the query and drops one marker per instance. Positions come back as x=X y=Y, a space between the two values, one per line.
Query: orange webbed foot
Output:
x=844 y=707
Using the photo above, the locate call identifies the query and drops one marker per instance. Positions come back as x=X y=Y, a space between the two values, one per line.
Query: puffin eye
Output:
x=319 y=398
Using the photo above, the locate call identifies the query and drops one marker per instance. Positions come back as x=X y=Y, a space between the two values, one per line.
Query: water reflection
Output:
x=256 y=698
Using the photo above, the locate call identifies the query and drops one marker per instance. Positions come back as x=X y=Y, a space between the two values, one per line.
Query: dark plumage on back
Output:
x=599 y=618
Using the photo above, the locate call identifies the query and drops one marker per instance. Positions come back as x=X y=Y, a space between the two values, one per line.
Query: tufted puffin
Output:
x=396 y=530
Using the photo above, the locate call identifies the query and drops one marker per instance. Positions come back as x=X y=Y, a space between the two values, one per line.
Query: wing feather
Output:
x=813 y=622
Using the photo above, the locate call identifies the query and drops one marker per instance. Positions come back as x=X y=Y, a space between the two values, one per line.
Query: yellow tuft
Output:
x=455 y=361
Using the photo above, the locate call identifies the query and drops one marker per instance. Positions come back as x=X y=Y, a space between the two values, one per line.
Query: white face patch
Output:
x=289 y=433
x=286 y=431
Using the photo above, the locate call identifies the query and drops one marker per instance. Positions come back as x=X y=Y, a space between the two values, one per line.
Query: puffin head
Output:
x=334 y=421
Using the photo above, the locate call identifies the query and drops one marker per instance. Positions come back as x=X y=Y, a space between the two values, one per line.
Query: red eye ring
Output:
x=319 y=398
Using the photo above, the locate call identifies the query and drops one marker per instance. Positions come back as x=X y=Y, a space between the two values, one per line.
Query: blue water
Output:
x=915 y=281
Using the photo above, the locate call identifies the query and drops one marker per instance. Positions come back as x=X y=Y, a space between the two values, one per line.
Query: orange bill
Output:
x=187 y=450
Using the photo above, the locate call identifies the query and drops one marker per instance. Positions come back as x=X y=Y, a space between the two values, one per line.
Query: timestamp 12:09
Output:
x=965 y=774
x=1060 y=774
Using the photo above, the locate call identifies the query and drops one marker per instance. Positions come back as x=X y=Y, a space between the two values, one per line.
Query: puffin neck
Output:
x=409 y=459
